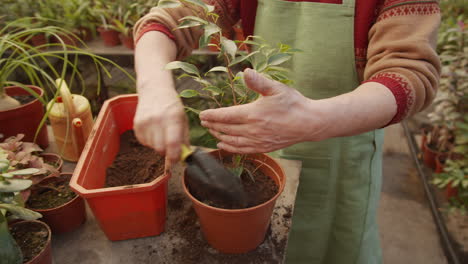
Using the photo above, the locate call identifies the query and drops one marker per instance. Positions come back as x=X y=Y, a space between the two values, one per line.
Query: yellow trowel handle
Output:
x=186 y=151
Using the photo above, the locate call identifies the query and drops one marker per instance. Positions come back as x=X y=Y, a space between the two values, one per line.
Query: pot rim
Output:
x=58 y=158
x=62 y=205
x=49 y=237
x=40 y=92
x=281 y=184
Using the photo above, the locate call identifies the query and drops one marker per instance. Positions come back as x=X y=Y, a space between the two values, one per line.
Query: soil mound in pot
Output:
x=134 y=164
x=31 y=238
x=259 y=187
x=51 y=195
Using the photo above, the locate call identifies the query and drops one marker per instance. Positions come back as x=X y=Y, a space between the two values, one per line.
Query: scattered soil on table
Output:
x=195 y=249
x=259 y=188
x=31 y=238
x=51 y=195
x=24 y=99
x=134 y=164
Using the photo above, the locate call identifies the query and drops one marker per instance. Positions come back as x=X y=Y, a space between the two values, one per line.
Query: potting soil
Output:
x=31 y=238
x=259 y=188
x=50 y=195
x=134 y=164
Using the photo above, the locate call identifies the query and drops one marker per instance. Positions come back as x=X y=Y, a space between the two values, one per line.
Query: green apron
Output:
x=335 y=212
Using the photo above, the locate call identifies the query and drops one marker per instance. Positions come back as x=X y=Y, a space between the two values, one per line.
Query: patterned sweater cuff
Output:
x=400 y=89
x=153 y=26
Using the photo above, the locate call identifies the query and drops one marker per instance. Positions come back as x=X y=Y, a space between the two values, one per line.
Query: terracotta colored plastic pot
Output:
x=239 y=230
x=423 y=142
x=122 y=212
x=430 y=156
x=45 y=256
x=66 y=217
x=54 y=159
x=72 y=40
x=450 y=191
x=109 y=36
x=127 y=41
x=39 y=40
x=24 y=119
x=86 y=34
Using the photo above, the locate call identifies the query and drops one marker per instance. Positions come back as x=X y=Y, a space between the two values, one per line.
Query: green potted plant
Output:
x=74 y=16
x=233 y=230
x=106 y=12
x=454 y=179
x=49 y=193
x=12 y=207
x=452 y=99
x=33 y=66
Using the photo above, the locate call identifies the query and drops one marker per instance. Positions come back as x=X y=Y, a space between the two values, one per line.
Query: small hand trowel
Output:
x=206 y=175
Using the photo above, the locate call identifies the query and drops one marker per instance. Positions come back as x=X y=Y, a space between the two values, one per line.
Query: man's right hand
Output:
x=160 y=121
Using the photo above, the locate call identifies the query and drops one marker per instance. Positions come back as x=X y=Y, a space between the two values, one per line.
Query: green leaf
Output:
x=209 y=30
x=10 y=253
x=14 y=185
x=229 y=47
x=218 y=69
x=190 y=109
x=28 y=171
x=278 y=59
x=4 y=165
x=188 y=24
x=189 y=93
x=242 y=58
x=237 y=171
x=213 y=90
x=194 y=18
x=187 y=67
x=169 y=4
x=202 y=81
x=7 y=175
x=21 y=212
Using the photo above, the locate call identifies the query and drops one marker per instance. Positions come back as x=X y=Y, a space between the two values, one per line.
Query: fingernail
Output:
x=202 y=115
x=204 y=123
x=220 y=145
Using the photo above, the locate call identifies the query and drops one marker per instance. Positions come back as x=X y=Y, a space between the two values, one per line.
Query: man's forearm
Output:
x=370 y=106
x=153 y=51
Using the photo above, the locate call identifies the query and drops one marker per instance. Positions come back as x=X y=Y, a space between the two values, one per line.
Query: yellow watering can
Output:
x=71 y=120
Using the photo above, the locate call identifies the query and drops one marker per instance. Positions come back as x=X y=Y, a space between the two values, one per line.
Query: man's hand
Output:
x=160 y=121
x=280 y=118
x=162 y=124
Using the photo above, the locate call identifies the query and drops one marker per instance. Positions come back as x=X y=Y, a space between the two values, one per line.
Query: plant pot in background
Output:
x=52 y=158
x=122 y=212
x=127 y=41
x=65 y=217
x=86 y=34
x=24 y=119
x=39 y=40
x=109 y=36
x=239 y=230
x=45 y=254
x=71 y=40
x=430 y=156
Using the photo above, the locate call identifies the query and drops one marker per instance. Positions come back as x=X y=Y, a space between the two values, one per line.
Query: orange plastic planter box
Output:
x=122 y=212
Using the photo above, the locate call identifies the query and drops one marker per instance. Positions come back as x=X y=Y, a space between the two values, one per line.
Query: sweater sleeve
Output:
x=401 y=53
x=166 y=21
